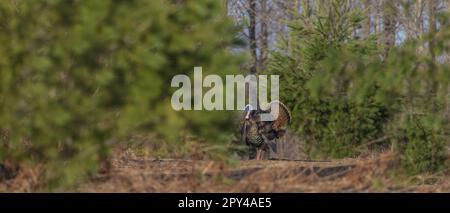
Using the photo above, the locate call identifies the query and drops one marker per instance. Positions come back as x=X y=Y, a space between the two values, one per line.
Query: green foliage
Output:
x=339 y=127
x=410 y=90
x=424 y=146
x=333 y=124
x=346 y=100
x=75 y=76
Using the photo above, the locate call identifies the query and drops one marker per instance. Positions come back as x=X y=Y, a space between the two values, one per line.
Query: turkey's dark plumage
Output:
x=256 y=133
x=252 y=134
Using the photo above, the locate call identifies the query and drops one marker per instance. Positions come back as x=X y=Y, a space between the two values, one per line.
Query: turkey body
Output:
x=253 y=138
x=256 y=133
x=252 y=134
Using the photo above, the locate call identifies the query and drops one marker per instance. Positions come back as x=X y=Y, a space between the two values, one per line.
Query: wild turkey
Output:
x=256 y=133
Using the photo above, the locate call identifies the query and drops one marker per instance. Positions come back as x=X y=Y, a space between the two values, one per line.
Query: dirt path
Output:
x=173 y=168
x=177 y=175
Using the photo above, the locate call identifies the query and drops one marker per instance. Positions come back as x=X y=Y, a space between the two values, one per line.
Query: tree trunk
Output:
x=389 y=11
x=252 y=35
x=264 y=21
x=432 y=4
x=432 y=24
x=306 y=8
x=377 y=21
x=419 y=17
x=432 y=30
x=367 y=22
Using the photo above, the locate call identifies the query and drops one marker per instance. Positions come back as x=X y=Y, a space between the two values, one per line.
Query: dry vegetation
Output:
x=370 y=174
x=136 y=170
x=145 y=174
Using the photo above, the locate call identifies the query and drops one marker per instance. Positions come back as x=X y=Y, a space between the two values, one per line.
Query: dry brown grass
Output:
x=371 y=174
x=28 y=179
x=131 y=173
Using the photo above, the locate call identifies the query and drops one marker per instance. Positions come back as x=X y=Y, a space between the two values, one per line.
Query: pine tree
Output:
x=323 y=120
x=83 y=75
x=347 y=100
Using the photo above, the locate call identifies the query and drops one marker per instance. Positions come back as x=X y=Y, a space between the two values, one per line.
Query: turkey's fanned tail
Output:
x=284 y=115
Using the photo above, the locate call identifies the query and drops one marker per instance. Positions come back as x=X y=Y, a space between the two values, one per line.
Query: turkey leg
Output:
x=258 y=154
